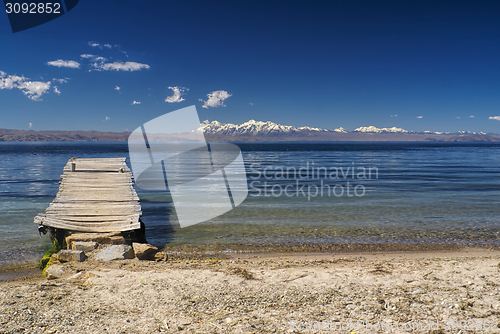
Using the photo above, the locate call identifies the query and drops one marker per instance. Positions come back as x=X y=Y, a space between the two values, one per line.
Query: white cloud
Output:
x=117 y=88
x=61 y=81
x=472 y=116
x=394 y=115
x=64 y=63
x=458 y=117
x=216 y=99
x=56 y=90
x=119 y=66
x=95 y=45
x=496 y=118
x=250 y=103
x=97 y=61
x=135 y=102
x=107 y=118
x=94 y=58
x=11 y=81
x=420 y=116
x=176 y=96
x=30 y=125
x=32 y=89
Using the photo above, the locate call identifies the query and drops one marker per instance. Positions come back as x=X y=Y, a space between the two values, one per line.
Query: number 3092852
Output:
x=33 y=8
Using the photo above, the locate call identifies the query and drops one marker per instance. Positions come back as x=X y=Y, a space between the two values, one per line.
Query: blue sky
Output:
x=317 y=63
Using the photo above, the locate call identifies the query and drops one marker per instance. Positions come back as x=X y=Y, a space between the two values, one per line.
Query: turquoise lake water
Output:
x=299 y=194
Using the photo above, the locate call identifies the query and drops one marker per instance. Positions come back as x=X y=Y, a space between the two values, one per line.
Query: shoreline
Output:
x=232 y=252
x=19 y=270
x=382 y=255
x=25 y=270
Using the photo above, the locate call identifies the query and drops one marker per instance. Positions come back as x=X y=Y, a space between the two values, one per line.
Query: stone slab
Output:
x=115 y=252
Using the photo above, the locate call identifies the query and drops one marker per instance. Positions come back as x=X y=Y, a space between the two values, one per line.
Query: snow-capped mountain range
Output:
x=259 y=128
x=373 y=129
x=254 y=128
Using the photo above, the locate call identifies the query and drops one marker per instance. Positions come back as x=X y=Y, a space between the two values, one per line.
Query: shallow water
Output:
x=408 y=193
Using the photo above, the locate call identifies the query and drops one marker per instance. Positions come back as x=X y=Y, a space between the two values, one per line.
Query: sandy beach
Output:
x=411 y=292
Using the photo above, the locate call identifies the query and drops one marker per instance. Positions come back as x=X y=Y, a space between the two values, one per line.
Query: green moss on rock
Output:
x=44 y=262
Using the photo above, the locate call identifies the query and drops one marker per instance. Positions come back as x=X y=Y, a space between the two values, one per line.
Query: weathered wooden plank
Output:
x=67 y=200
x=93 y=201
x=46 y=219
x=92 y=209
x=87 y=212
x=90 y=201
x=91 y=227
x=92 y=212
x=89 y=165
x=129 y=224
x=96 y=191
x=89 y=182
x=110 y=226
x=78 y=184
x=127 y=187
x=83 y=175
x=97 y=196
x=96 y=169
x=110 y=178
x=77 y=188
x=83 y=179
x=98 y=218
x=93 y=166
x=89 y=198
x=97 y=162
x=98 y=159
x=93 y=206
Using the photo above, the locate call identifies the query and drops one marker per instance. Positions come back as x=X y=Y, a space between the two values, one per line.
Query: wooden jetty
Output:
x=95 y=195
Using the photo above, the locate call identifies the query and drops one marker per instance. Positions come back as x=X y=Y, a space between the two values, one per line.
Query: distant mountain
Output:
x=263 y=131
x=23 y=135
x=254 y=128
x=372 y=129
x=340 y=130
x=473 y=137
x=259 y=128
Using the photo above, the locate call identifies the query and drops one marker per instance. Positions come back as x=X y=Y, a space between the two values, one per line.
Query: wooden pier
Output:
x=95 y=195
